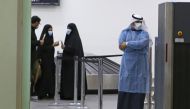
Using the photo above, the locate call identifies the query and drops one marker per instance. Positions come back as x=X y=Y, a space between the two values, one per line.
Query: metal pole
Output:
x=57 y=65
x=82 y=106
x=75 y=81
x=57 y=81
x=100 y=82
x=150 y=86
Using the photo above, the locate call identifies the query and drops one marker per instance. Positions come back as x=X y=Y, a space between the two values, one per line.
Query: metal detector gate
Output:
x=172 y=57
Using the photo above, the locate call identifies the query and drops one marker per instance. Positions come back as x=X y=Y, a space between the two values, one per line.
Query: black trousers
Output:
x=128 y=100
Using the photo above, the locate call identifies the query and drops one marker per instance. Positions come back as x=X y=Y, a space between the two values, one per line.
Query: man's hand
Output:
x=122 y=46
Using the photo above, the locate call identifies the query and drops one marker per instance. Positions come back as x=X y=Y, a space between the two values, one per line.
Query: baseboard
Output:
x=105 y=91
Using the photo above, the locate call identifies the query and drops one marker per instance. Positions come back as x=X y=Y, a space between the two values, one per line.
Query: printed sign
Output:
x=179 y=40
x=45 y=2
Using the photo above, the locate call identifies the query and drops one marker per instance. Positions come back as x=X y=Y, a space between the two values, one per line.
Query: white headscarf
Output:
x=136 y=17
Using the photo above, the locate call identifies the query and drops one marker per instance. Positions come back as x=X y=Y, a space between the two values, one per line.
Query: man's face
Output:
x=136 y=25
x=36 y=24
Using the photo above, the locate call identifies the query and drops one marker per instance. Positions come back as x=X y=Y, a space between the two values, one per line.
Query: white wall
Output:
x=99 y=21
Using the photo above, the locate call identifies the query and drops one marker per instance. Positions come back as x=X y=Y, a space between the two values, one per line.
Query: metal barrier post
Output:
x=82 y=106
x=57 y=80
x=150 y=72
x=56 y=97
x=100 y=82
x=75 y=81
x=56 y=83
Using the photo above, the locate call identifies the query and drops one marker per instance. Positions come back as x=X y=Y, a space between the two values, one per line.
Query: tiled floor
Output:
x=109 y=102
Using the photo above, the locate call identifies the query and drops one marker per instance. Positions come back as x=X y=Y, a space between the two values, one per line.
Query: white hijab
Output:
x=136 y=17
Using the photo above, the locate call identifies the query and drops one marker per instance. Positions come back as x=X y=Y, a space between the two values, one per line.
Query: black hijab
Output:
x=46 y=48
x=48 y=40
x=73 y=44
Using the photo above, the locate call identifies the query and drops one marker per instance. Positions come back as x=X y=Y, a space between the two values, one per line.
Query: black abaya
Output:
x=46 y=83
x=73 y=47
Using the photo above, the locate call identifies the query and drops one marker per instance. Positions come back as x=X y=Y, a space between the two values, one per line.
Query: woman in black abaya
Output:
x=46 y=53
x=71 y=47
